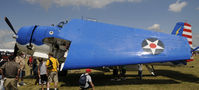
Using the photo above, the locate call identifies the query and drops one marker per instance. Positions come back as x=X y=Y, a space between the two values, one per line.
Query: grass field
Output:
x=168 y=78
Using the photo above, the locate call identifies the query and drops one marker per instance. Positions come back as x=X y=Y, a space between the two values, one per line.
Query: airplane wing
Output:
x=95 y=44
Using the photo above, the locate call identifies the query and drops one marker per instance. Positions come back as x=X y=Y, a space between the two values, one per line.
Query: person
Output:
x=42 y=74
x=35 y=71
x=34 y=67
x=11 y=71
x=2 y=81
x=140 y=71
x=123 y=72
x=88 y=83
x=21 y=61
x=116 y=73
x=30 y=60
x=36 y=76
x=52 y=65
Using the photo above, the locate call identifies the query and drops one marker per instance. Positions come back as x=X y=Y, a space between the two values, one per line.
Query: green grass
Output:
x=168 y=78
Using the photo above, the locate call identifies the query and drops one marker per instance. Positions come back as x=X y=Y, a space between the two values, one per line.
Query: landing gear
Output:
x=150 y=69
x=63 y=73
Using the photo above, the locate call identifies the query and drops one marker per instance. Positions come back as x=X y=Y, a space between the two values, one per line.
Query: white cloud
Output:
x=8 y=45
x=4 y=33
x=177 y=6
x=6 y=40
x=197 y=8
x=44 y=3
x=155 y=27
x=89 y=3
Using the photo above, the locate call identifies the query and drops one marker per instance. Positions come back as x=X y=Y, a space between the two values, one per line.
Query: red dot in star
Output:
x=152 y=45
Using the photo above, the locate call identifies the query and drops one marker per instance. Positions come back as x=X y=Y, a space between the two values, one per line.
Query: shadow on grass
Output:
x=178 y=76
x=103 y=80
x=99 y=79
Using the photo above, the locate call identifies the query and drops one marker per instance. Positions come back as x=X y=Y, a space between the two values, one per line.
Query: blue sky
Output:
x=158 y=15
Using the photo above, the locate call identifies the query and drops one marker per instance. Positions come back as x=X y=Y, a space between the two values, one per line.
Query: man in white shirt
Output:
x=140 y=71
x=89 y=83
x=42 y=73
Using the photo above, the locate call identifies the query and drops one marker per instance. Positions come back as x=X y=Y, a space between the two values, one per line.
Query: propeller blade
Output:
x=15 y=50
x=10 y=25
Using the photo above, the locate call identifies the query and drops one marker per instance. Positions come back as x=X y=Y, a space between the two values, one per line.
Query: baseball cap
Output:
x=88 y=70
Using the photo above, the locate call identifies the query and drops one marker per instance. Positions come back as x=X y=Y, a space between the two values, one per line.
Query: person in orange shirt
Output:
x=52 y=65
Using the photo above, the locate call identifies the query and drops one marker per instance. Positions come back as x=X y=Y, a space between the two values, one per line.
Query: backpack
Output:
x=82 y=80
x=50 y=66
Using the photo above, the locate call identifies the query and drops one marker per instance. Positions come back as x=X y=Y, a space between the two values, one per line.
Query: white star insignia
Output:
x=153 y=46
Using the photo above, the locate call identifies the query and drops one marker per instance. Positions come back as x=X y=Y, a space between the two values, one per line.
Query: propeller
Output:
x=10 y=25
x=16 y=49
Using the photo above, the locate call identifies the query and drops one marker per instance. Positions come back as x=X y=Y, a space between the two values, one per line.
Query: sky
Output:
x=156 y=15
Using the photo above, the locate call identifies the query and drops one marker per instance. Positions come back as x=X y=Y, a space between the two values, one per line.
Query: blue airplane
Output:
x=88 y=44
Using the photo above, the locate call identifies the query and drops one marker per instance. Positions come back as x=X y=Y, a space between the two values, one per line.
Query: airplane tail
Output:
x=184 y=29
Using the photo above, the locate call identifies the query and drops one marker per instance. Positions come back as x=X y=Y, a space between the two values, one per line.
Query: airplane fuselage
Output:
x=92 y=44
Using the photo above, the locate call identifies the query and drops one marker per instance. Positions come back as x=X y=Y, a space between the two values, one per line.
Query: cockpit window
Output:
x=61 y=24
